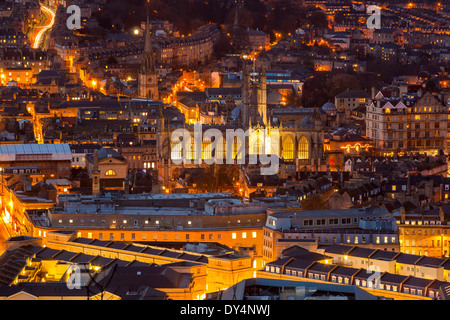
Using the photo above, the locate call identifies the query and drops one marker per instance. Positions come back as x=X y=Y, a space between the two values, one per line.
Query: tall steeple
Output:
x=148 y=78
x=262 y=95
x=148 y=64
x=236 y=21
x=95 y=175
x=245 y=97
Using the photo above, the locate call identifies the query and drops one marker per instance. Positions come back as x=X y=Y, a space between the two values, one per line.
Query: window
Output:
x=303 y=148
x=320 y=222
x=110 y=173
x=233 y=235
x=288 y=148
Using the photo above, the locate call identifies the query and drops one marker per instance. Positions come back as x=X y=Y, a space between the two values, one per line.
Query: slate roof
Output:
x=361 y=252
x=390 y=278
x=338 y=249
x=344 y=271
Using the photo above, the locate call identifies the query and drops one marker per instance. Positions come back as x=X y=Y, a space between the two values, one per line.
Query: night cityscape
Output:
x=225 y=150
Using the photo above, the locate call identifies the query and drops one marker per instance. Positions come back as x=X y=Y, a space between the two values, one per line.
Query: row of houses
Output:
x=392 y=262
x=316 y=268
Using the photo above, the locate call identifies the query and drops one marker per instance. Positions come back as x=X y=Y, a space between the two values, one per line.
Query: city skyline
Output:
x=221 y=150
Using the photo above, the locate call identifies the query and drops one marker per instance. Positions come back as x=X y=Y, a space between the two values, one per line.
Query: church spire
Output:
x=148 y=61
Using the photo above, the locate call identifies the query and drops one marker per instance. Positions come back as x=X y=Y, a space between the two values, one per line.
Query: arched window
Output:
x=303 y=148
x=288 y=148
x=176 y=150
x=256 y=143
x=258 y=147
x=110 y=173
x=191 y=153
x=207 y=148
x=237 y=143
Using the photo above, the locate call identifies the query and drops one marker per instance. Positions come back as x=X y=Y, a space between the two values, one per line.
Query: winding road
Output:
x=39 y=31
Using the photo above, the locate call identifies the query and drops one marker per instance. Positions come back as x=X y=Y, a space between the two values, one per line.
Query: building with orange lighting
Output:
x=341 y=144
x=156 y=217
x=425 y=233
x=354 y=266
x=369 y=227
x=408 y=125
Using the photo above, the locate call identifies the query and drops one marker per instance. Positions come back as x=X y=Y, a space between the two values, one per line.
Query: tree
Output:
x=111 y=61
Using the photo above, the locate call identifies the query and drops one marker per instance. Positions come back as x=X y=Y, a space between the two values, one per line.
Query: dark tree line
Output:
x=282 y=16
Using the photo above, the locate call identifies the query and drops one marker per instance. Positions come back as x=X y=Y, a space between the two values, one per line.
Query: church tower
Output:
x=262 y=95
x=245 y=116
x=95 y=175
x=148 y=78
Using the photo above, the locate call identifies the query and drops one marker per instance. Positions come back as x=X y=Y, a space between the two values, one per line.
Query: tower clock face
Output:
x=149 y=80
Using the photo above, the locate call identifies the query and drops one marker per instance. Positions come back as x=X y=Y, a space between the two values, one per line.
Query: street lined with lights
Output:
x=39 y=32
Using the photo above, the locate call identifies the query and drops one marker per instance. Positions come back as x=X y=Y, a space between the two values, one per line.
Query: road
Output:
x=39 y=31
x=4 y=235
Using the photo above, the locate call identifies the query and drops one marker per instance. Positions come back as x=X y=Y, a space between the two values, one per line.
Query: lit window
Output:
x=244 y=235
x=233 y=235
x=110 y=173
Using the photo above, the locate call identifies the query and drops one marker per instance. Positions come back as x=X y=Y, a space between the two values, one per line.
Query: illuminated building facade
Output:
x=426 y=233
x=53 y=160
x=404 y=126
x=353 y=266
x=369 y=227
x=157 y=217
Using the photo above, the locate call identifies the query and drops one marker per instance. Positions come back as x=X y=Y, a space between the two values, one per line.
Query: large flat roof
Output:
x=9 y=152
x=298 y=212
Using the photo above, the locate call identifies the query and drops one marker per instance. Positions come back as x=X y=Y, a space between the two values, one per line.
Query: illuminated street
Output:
x=40 y=31
x=4 y=235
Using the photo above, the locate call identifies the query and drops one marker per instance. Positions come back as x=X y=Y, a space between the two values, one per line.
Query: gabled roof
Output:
x=361 y=252
x=390 y=278
x=384 y=255
x=338 y=249
x=344 y=271
x=321 y=267
x=406 y=258
x=417 y=282
x=299 y=264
